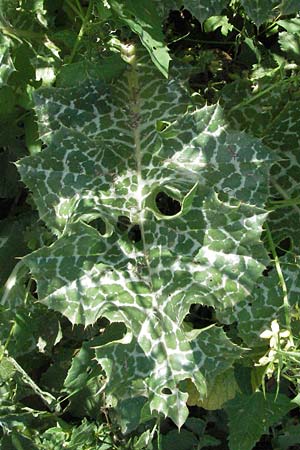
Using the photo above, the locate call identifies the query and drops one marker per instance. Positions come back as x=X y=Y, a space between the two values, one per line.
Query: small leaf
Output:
x=215 y=22
x=290 y=44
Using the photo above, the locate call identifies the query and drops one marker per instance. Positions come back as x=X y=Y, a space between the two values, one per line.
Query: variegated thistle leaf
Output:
x=275 y=117
x=179 y=199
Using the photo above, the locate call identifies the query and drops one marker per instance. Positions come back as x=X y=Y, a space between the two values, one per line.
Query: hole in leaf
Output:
x=284 y=246
x=99 y=225
x=134 y=234
x=266 y=271
x=200 y=315
x=166 y=391
x=123 y=223
x=161 y=125
x=167 y=205
x=32 y=286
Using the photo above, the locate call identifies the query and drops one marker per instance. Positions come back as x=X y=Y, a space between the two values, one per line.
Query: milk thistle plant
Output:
x=150 y=226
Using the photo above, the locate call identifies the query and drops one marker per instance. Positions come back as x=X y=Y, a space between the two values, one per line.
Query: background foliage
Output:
x=150 y=174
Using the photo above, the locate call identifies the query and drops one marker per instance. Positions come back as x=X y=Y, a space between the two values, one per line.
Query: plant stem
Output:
x=159 y=447
x=81 y=31
x=286 y=304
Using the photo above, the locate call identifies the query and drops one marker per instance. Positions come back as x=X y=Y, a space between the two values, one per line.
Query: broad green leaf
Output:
x=12 y=245
x=251 y=416
x=288 y=437
x=223 y=388
x=290 y=44
x=201 y=10
x=260 y=10
x=289 y=7
x=204 y=9
x=149 y=221
x=143 y=19
x=81 y=71
x=185 y=440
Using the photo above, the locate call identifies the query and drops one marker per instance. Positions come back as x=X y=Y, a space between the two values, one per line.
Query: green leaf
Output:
x=201 y=10
x=12 y=245
x=290 y=44
x=6 y=63
x=9 y=177
x=260 y=11
x=285 y=178
x=179 y=222
x=130 y=369
x=17 y=440
x=215 y=22
x=185 y=440
x=288 y=437
x=289 y=7
x=274 y=115
x=130 y=413
x=81 y=71
x=7 y=369
x=251 y=416
x=223 y=388
x=26 y=14
x=143 y=19
x=290 y=25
